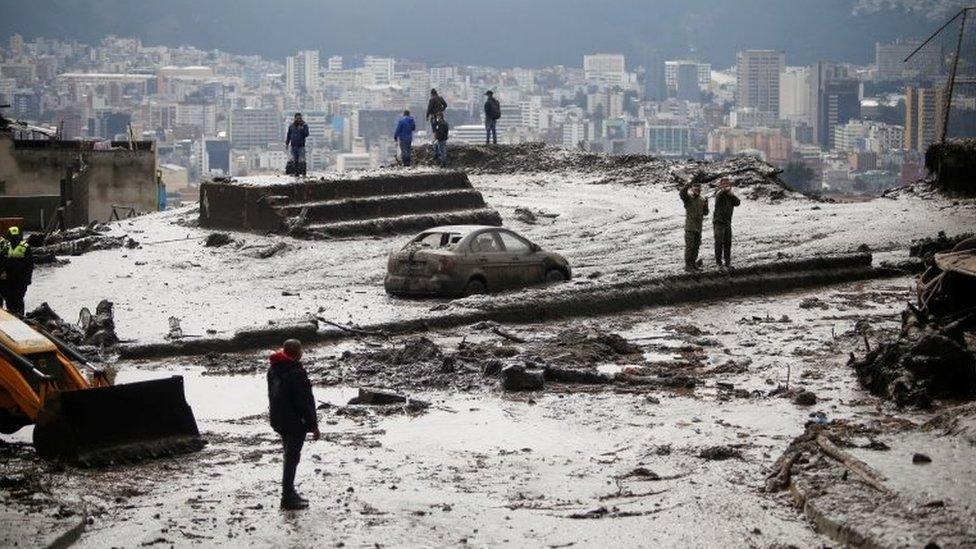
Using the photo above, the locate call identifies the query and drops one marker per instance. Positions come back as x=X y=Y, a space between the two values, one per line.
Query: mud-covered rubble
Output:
x=934 y=356
x=829 y=474
x=761 y=179
x=93 y=330
x=78 y=241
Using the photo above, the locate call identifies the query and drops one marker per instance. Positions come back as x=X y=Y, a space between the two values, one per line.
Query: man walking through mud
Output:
x=696 y=208
x=292 y=414
x=725 y=203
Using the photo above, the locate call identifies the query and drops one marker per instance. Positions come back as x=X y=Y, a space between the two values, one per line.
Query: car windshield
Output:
x=443 y=240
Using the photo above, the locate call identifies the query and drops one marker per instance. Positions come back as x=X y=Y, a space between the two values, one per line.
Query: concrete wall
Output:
x=120 y=177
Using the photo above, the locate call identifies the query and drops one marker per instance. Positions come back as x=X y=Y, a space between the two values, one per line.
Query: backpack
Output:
x=493 y=109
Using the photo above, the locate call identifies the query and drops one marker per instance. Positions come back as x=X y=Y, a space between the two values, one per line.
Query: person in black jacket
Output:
x=441 y=131
x=493 y=111
x=16 y=270
x=292 y=414
x=725 y=203
x=435 y=108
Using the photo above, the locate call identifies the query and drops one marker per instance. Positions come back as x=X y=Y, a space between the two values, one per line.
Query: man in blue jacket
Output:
x=404 y=136
x=292 y=414
x=295 y=139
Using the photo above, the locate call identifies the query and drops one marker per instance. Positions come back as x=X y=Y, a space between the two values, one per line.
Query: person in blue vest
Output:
x=404 y=136
x=16 y=270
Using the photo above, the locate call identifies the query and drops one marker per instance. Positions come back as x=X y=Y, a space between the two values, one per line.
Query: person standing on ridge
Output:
x=292 y=413
x=493 y=111
x=404 y=136
x=295 y=141
x=696 y=208
x=441 y=130
x=725 y=203
x=435 y=107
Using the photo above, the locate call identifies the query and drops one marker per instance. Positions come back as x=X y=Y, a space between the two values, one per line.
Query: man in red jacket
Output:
x=292 y=414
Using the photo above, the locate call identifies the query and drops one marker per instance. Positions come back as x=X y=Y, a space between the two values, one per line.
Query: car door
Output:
x=525 y=264
x=489 y=257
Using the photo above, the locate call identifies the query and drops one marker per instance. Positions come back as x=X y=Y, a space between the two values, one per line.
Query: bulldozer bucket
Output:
x=115 y=424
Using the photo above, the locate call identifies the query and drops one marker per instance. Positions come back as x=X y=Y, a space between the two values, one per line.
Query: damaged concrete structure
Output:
x=43 y=179
x=387 y=202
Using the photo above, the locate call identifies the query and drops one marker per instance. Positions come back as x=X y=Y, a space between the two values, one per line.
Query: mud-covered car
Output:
x=470 y=259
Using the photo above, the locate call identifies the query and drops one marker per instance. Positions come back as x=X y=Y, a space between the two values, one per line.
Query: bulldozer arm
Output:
x=121 y=423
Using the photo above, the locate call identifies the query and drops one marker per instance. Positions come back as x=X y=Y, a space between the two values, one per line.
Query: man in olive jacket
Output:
x=725 y=203
x=696 y=208
x=292 y=414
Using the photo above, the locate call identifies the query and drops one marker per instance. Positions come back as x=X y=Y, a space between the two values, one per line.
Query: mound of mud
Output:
x=584 y=346
x=935 y=354
x=638 y=169
x=955 y=165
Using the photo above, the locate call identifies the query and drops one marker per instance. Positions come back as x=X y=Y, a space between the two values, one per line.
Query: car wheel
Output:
x=555 y=275
x=475 y=287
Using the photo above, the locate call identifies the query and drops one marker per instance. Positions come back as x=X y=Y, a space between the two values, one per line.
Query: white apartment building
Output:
x=302 y=72
x=794 y=94
x=605 y=69
x=868 y=136
x=671 y=69
x=379 y=70
x=757 y=78
x=353 y=161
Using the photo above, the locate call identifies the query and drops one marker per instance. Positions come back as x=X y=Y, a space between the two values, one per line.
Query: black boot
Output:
x=293 y=502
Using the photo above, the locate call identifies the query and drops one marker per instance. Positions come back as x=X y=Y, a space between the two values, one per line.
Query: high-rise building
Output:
x=673 y=68
x=302 y=72
x=655 y=77
x=794 y=94
x=924 y=108
x=16 y=44
x=891 y=57
x=605 y=68
x=758 y=75
x=835 y=99
x=335 y=63
x=687 y=82
x=251 y=128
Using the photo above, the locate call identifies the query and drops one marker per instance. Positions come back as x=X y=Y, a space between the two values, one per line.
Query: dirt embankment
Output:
x=760 y=178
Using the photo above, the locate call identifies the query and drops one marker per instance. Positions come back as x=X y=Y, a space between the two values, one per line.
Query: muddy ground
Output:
x=655 y=427
x=609 y=233
x=610 y=464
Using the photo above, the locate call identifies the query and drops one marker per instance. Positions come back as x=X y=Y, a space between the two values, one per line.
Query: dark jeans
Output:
x=692 y=243
x=491 y=133
x=440 y=152
x=723 y=244
x=405 y=152
x=298 y=154
x=292 y=443
x=13 y=298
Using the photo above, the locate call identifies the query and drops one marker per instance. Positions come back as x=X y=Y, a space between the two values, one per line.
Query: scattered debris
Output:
x=516 y=377
x=216 y=240
x=377 y=397
x=719 y=453
x=96 y=330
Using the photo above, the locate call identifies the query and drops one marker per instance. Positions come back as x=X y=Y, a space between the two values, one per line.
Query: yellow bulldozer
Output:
x=79 y=416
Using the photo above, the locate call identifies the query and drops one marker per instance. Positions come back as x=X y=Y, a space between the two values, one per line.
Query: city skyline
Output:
x=514 y=34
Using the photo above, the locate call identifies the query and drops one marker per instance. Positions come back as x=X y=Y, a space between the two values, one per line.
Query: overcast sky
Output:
x=527 y=33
